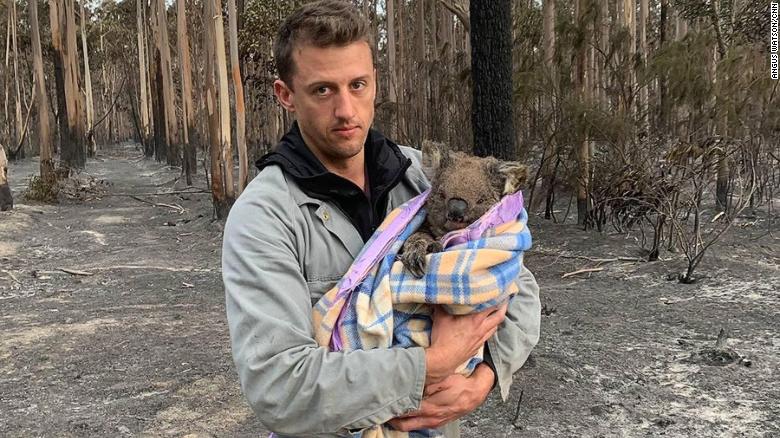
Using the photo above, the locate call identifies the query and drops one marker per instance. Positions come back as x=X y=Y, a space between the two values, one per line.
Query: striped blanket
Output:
x=378 y=304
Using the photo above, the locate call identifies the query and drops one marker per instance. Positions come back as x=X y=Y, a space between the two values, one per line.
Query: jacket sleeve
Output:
x=294 y=386
x=518 y=334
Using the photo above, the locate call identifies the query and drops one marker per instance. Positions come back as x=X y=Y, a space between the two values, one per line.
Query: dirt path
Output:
x=140 y=346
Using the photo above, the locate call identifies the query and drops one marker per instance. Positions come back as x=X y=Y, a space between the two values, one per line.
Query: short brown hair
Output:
x=322 y=23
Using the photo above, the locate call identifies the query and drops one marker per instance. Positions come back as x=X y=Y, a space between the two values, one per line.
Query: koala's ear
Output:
x=434 y=156
x=514 y=175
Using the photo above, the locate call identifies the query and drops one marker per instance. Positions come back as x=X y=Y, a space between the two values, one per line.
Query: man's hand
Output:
x=456 y=339
x=448 y=400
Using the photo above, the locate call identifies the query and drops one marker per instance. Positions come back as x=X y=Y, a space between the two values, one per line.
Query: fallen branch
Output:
x=162 y=268
x=139 y=267
x=178 y=208
x=517 y=410
x=582 y=271
x=590 y=259
x=598 y=262
x=13 y=277
x=179 y=192
x=76 y=272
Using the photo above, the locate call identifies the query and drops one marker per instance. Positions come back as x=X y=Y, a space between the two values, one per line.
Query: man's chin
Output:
x=347 y=149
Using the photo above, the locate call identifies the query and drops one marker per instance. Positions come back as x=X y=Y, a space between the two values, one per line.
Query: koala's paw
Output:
x=434 y=247
x=414 y=260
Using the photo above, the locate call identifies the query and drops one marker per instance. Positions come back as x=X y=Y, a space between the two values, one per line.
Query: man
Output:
x=299 y=225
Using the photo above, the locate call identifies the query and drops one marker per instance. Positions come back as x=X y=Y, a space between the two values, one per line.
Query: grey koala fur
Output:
x=463 y=188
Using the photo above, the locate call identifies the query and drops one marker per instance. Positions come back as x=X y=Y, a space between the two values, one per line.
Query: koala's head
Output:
x=464 y=187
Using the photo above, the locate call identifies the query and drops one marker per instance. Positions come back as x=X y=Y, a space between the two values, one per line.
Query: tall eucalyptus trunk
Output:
x=41 y=99
x=90 y=103
x=188 y=110
x=238 y=92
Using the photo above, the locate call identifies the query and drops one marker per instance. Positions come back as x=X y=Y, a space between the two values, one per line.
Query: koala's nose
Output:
x=456 y=209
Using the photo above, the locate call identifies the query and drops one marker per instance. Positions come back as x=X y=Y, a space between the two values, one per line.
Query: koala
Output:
x=463 y=188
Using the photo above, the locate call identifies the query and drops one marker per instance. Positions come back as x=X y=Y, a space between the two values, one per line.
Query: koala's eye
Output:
x=481 y=201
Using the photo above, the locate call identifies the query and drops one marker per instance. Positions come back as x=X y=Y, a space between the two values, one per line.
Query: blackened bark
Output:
x=160 y=141
x=139 y=138
x=491 y=72
x=62 y=117
x=190 y=154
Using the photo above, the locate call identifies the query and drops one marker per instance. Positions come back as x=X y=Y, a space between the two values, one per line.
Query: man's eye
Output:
x=358 y=85
x=322 y=91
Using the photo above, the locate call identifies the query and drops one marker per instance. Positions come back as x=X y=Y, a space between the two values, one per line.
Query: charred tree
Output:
x=491 y=62
x=44 y=124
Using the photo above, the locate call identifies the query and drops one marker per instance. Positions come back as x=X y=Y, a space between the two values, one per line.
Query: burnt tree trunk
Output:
x=158 y=112
x=63 y=28
x=491 y=72
x=44 y=125
x=583 y=145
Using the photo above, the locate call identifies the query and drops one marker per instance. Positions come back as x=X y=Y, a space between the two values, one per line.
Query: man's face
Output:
x=332 y=95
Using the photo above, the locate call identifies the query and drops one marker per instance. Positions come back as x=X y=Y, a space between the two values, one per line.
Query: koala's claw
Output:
x=434 y=247
x=414 y=261
x=414 y=251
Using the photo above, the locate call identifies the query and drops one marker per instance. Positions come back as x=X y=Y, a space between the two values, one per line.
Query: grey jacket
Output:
x=282 y=251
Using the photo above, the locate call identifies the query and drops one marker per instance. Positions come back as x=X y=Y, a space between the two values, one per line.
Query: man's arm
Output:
x=295 y=386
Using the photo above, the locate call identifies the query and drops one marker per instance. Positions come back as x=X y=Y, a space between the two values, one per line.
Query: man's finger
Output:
x=488 y=335
x=410 y=414
x=498 y=315
x=415 y=423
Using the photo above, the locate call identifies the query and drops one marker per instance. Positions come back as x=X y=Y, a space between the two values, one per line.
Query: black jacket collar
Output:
x=385 y=166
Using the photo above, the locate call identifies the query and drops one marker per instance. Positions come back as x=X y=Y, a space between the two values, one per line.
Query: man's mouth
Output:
x=347 y=130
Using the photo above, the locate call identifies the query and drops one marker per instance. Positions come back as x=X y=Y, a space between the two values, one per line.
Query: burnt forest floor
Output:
x=113 y=324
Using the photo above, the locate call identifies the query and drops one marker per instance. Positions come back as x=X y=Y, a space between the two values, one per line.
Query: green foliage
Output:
x=116 y=22
x=683 y=67
x=744 y=83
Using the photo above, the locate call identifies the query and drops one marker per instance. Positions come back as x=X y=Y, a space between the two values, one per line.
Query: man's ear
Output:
x=514 y=175
x=284 y=95
x=434 y=156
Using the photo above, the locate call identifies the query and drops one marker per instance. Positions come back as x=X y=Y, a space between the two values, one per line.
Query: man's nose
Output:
x=345 y=108
x=456 y=209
